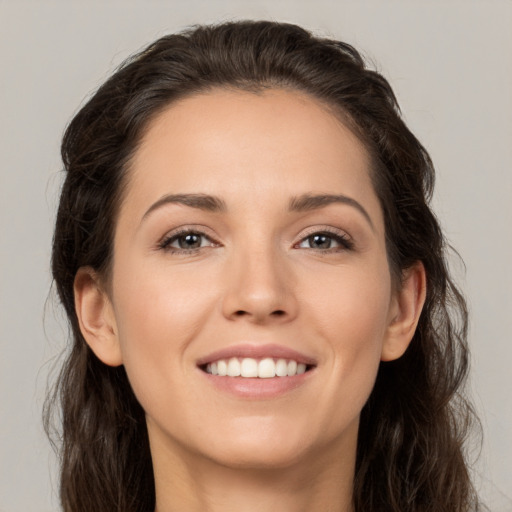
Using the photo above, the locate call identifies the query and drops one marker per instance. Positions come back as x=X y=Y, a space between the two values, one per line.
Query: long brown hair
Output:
x=410 y=454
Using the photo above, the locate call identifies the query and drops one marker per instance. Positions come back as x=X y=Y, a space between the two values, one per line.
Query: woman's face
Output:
x=250 y=232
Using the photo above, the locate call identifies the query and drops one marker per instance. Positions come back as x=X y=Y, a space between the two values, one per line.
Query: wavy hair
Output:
x=413 y=429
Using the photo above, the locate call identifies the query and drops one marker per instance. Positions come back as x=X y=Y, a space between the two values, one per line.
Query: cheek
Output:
x=158 y=315
x=353 y=318
x=352 y=306
x=166 y=302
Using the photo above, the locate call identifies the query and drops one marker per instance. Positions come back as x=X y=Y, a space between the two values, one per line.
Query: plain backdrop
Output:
x=450 y=63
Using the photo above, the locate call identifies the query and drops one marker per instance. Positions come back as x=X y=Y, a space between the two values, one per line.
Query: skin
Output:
x=256 y=278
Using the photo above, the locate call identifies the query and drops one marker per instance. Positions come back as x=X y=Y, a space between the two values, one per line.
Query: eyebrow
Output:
x=307 y=202
x=200 y=201
x=302 y=203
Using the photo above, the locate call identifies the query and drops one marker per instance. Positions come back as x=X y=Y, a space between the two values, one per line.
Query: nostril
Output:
x=276 y=313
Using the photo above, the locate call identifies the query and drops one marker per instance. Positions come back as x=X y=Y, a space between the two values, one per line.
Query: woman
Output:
x=261 y=311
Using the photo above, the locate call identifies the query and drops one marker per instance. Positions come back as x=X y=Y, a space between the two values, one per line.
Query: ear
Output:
x=405 y=312
x=96 y=317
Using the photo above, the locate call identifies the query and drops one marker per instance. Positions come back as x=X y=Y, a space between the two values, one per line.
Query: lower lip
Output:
x=256 y=388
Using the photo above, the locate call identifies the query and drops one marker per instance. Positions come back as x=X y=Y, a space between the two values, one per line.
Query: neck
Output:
x=189 y=482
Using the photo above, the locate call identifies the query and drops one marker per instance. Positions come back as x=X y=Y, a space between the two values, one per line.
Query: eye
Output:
x=326 y=240
x=186 y=241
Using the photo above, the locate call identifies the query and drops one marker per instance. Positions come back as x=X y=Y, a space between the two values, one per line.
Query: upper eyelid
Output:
x=325 y=229
x=179 y=234
x=193 y=228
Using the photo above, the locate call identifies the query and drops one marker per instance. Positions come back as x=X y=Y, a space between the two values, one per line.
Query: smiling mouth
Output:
x=248 y=367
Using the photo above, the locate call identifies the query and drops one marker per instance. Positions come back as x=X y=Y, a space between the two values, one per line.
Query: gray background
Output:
x=450 y=64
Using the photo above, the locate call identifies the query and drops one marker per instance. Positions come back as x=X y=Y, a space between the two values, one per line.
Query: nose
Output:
x=259 y=288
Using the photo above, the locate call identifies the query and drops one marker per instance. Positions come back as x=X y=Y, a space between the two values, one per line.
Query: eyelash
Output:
x=346 y=244
x=166 y=242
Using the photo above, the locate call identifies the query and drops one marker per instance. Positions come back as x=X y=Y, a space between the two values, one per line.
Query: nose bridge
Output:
x=259 y=282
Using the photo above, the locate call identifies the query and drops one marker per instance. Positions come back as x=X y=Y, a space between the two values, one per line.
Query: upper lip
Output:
x=257 y=352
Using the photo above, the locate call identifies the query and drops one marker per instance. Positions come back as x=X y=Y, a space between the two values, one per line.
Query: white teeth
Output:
x=222 y=368
x=266 y=368
x=281 y=368
x=249 y=367
x=292 y=368
x=233 y=367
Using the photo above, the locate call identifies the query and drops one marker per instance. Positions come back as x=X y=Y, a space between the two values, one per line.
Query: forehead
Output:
x=225 y=142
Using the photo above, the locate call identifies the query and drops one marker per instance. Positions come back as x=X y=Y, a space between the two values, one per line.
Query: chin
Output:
x=263 y=456
x=262 y=444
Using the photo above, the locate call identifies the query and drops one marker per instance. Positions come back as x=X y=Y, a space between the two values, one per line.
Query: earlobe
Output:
x=407 y=307
x=96 y=317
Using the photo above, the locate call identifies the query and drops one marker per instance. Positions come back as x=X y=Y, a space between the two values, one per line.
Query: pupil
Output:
x=320 y=241
x=189 y=241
